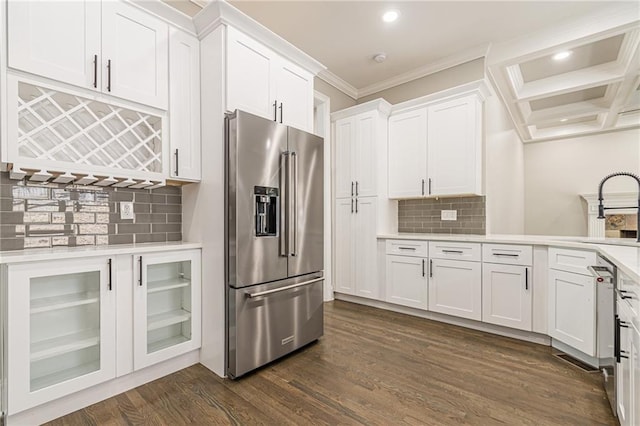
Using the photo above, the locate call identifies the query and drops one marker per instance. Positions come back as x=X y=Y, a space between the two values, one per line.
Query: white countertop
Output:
x=34 y=255
x=624 y=254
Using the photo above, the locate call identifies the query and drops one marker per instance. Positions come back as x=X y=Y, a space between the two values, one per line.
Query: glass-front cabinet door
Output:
x=166 y=306
x=61 y=329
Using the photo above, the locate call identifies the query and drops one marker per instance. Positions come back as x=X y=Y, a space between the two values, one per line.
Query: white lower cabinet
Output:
x=61 y=330
x=634 y=372
x=455 y=288
x=406 y=282
x=355 y=256
x=572 y=310
x=507 y=295
x=70 y=324
x=166 y=306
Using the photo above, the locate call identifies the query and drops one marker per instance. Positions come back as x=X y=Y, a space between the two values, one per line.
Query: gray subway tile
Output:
x=121 y=196
x=141 y=197
x=174 y=199
x=174 y=218
x=11 y=243
x=121 y=239
x=150 y=238
x=158 y=198
x=166 y=227
x=11 y=218
x=166 y=208
x=141 y=208
x=172 y=236
x=133 y=228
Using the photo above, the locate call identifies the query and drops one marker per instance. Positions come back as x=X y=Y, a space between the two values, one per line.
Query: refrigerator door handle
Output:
x=284 y=203
x=277 y=290
x=294 y=213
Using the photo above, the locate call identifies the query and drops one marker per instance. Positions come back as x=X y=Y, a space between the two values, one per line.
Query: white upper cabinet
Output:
x=110 y=46
x=134 y=54
x=249 y=75
x=184 y=106
x=407 y=153
x=435 y=144
x=364 y=154
x=59 y=40
x=360 y=146
x=454 y=139
x=344 y=136
x=294 y=95
x=262 y=82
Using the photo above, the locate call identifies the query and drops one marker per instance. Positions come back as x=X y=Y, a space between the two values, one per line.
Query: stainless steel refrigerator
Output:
x=274 y=242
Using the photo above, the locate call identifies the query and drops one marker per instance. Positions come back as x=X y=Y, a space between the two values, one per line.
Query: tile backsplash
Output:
x=423 y=216
x=49 y=214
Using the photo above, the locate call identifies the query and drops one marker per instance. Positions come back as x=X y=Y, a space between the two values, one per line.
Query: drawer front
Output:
x=454 y=250
x=569 y=260
x=407 y=248
x=507 y=254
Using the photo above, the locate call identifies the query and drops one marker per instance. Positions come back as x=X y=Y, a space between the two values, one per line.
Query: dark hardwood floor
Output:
x=375 y=367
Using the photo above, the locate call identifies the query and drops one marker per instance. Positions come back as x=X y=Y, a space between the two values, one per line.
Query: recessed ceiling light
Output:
x=562 y=55
x=564 y=119
x=390 y=16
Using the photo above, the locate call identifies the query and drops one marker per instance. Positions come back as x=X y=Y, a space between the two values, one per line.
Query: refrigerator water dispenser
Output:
x=266 y=211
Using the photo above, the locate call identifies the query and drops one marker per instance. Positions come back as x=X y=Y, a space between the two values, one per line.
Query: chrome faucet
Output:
x=602 y=208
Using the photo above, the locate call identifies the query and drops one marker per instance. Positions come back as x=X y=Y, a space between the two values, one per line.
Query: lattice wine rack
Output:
x=56 y=127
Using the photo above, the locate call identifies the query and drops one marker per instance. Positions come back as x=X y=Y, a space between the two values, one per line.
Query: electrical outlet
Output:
x=126 y=210
x=448 y=214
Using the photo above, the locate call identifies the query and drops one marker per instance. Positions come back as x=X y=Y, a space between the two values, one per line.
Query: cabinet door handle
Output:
x=422 y=186
x=281 y=112
x=275 y=110
x=352 y=189
x=506 y=254
x=423 y=262
x=356 y=188
x=356 y=205
x=109 y=283
x=407 y=248
x=452 y=251
x=177 y=160
x=429 y=186
x=95 y=71
x=430 y=268
x=352 y=205
x=109 y=75
x=140 y=271
x=623 y=294
x=526 y=278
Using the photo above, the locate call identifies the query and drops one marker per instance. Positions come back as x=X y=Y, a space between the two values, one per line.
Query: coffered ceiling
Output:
x=595 y=89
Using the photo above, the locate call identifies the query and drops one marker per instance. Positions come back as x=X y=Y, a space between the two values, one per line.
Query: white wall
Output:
x=504 y=171
x=556 y=172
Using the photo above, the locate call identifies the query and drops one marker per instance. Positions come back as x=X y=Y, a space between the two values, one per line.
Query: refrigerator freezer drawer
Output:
x=269 y=321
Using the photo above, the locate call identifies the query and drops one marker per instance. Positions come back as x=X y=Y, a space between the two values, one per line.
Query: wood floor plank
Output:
x=375 y=367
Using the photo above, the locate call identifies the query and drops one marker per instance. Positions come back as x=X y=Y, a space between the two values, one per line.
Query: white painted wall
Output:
x=339 y=100
x=504 y=171
x=556 y=172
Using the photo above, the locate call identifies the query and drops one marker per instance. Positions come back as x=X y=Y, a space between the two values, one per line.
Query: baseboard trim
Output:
x=527 y=336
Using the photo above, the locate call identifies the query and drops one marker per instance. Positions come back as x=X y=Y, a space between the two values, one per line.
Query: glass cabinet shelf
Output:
x=168 y=284
x=64 y=344
x=60 y=376
x=45 y=304
x=166 y=319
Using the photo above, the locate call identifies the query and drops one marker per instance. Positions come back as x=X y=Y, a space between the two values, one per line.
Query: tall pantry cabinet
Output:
x=362 y=209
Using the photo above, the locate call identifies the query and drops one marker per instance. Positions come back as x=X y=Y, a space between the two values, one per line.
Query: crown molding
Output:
x=166 y=13
x=477 y=87
x=220 y=12
x=338 y=83
x=379 y=104
x=434 y=67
